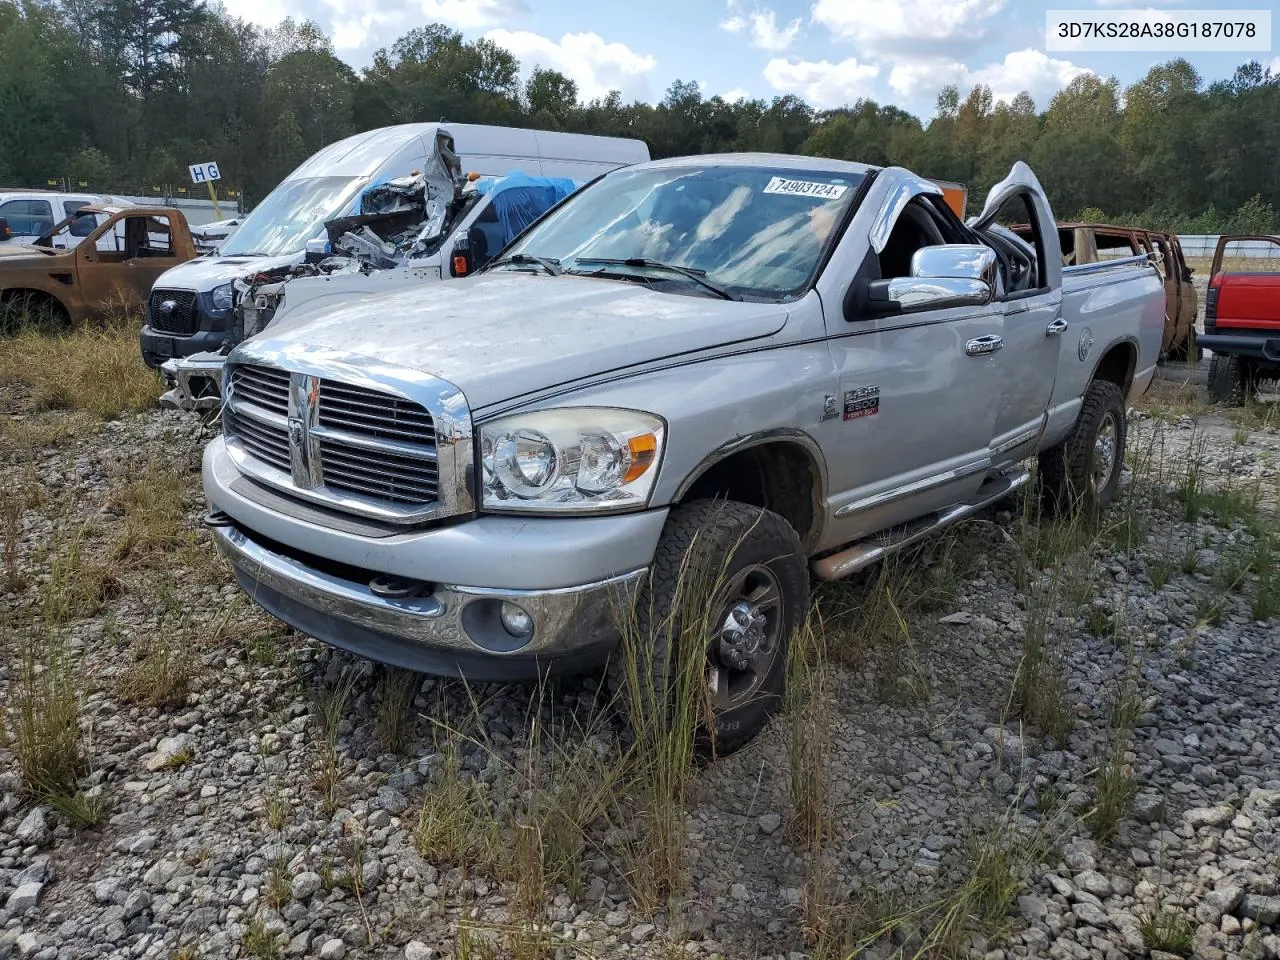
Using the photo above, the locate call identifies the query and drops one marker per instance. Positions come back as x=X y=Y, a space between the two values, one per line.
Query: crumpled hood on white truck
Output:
x=503 y=335
x=204 y=273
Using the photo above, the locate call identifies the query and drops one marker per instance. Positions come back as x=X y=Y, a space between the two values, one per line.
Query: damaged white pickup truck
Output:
x=763 y=368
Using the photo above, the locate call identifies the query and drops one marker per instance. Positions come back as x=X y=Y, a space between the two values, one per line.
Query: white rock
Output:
x=417 y=950
x=168 y=750
x=33 y=829
x=305 y=885
x=24 y=898
x=333 y=950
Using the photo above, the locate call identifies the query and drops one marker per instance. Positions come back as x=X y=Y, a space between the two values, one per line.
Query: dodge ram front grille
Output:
x=173 y=311
x=374 y=414
x=332 y=441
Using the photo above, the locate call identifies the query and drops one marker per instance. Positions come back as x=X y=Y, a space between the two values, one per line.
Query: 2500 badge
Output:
x=861 y=402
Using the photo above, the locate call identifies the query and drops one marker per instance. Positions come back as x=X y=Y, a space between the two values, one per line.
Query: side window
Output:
x=1022 y=252
x=28 y=217
x=915 y=228
x=1112 y=244
x=146 y=237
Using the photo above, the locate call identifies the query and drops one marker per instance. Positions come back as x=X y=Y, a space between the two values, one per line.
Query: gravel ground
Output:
x=221 y=840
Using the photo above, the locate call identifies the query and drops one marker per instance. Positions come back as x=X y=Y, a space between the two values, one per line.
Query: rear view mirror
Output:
x=950 y=275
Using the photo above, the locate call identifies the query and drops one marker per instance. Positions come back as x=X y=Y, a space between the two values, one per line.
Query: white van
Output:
x=196 y=297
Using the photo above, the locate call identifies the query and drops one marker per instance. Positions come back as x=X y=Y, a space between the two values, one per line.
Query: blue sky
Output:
x=830 y=52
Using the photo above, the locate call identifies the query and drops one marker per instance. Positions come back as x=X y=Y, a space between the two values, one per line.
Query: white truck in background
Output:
x=190 y=308
x=372 y=254
x=28 y=215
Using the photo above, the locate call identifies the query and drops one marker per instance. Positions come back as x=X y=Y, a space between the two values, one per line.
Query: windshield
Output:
x=757 y=232
x=291 y=214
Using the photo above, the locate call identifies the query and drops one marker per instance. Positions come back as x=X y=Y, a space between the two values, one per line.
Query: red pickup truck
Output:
x=1242 y=320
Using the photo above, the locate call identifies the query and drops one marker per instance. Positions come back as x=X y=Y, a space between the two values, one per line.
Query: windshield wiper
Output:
x=549 y=264
x=697 y=276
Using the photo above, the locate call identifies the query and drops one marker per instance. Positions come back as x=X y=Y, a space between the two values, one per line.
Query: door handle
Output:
x=981 y=346
x=1058 y=326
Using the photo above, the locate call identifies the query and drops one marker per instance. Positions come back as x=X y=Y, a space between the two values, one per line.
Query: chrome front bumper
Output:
x=442 y=629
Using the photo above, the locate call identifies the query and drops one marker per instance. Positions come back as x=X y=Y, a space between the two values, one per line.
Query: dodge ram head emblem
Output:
x=1086 y=344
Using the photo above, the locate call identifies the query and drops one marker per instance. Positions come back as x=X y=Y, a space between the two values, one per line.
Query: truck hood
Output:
x=204 y=273
x=500 y=336
x=9 y=251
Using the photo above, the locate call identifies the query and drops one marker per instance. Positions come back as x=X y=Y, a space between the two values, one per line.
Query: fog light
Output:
x=516 y=621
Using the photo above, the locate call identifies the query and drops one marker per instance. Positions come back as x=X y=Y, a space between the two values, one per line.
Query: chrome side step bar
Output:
x=862 y=554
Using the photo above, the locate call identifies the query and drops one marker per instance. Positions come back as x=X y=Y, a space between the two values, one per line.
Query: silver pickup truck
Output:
x=780 y=367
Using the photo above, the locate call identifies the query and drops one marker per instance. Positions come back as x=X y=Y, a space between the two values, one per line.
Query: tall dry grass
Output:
x=94 y=370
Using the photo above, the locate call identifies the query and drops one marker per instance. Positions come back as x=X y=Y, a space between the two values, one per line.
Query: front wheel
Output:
x=728 y=586
x=1083 y=471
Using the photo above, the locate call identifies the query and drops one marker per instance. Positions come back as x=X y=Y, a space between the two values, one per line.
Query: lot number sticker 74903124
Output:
x=806 y=188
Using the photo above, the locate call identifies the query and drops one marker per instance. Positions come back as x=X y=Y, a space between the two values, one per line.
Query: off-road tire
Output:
x=1066 y=470
x=703 y=541
x=1231 y=380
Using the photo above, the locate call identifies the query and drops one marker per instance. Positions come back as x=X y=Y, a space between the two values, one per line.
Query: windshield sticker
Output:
x=806 y=188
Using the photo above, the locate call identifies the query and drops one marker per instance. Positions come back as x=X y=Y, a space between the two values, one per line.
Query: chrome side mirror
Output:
x=952 y=275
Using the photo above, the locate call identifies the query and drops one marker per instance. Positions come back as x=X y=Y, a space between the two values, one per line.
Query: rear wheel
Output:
x=728 y=586
x=1231 y=380
x=1083 y=471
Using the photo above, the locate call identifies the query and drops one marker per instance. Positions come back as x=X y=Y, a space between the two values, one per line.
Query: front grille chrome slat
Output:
x=335 y=462
x=372 y=447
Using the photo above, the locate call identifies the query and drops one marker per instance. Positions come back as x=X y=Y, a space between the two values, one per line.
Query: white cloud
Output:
x=1040 y=75
x=474 y=14
x=873 y=25
x=913 y=79
x=1030 y=70
x=822 y=83
x=734 y=95
x=595 y=65
x=264 y=12
x=766 y=34
x=1274 y=66
x=1130 y=4
x=733 y=25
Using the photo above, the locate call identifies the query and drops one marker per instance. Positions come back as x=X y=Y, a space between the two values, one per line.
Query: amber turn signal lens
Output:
x=459 y=266
x=643 y=450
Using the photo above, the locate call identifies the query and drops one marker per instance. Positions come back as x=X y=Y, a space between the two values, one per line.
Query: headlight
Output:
x=221 y=297
x=576 y=459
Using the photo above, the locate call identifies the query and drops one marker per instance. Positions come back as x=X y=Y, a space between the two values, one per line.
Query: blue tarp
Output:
x=518 y=199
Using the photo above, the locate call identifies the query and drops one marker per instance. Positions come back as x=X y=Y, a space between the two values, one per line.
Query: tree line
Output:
x=123 y=94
